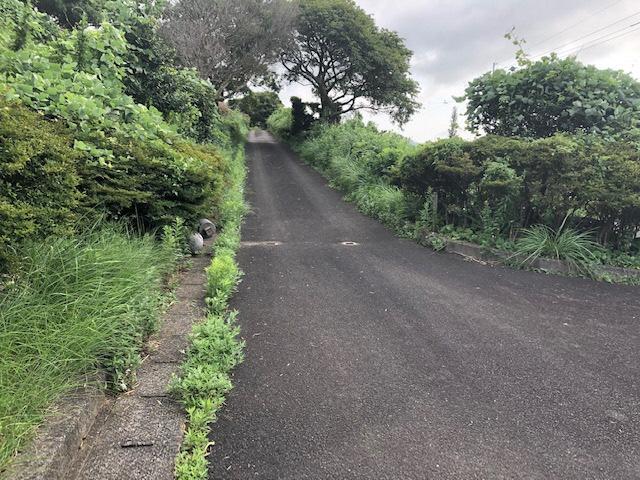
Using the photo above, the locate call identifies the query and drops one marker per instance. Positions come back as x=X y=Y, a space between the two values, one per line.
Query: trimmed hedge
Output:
x=596 y=182
x=38 y=179
x=150 y=183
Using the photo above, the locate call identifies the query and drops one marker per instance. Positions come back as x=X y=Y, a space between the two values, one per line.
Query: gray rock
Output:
x=207 y=228
x=196 y=243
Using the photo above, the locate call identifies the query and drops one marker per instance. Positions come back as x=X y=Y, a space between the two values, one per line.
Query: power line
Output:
x=580 y=38
x=588 y=45
x=589 y=35
x=575 y=24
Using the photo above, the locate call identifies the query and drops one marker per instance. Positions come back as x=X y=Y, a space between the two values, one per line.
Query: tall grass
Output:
x=385 y=203
x=80 y=304
x=578 y=249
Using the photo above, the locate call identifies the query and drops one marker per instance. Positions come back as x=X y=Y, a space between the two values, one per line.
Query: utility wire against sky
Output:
x=605 y=40
x=601 y=29
x=586 y=45
x=573 y=25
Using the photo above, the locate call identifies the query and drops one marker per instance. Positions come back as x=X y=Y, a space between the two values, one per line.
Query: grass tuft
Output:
x=81 y=304
x=578 y=249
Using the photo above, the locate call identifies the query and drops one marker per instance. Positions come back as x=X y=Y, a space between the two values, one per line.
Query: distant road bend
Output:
x=385 y=360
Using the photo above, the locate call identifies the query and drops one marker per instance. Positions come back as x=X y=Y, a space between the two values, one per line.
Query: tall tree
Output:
x=231 y=43
x=350 y=63
x=453 y=123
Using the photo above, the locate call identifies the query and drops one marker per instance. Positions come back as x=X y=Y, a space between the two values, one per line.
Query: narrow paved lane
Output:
x=384 y=360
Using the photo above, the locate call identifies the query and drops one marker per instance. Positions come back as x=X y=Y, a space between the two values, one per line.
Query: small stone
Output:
x=196 y=243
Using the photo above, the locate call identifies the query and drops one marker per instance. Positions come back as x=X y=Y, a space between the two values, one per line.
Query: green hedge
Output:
x=593 y=181
x=150 y=183
x=38 y=179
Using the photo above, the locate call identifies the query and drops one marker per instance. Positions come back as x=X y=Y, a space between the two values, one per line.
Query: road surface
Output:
x=385 y=360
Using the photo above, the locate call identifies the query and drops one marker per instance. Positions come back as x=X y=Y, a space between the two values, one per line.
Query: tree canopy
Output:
x=350 y=63
x=552 y=95
x=70 y=12
x=230 y=43
x=258 y=105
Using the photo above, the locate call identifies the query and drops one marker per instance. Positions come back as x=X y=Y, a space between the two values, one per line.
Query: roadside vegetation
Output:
x=215 y=347
x=568 y=191
x=110 y=151
x=118 y=133
x=80 y=303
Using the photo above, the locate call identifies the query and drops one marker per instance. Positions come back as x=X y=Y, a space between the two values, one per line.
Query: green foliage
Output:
x=553 y=95
x=231 y=130
x=386 y=203
x=496 y=184
x=432 y=240
x=280 y=123
x=222 y=277
x=576 y=248
x=133 y=164
x=485 y=191
x=174 y=239
x=202 y=386
x=444 y=167
x=78 y=304
x=215 y=345
x=350 y=62
x=374 y=151
x=39 y=192
x=70 y=12
x=150 y=183
x=258 y=106
x=86 y=145
x=301 y=118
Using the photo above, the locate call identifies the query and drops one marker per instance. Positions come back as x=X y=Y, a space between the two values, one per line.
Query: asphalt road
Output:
x=385 y=360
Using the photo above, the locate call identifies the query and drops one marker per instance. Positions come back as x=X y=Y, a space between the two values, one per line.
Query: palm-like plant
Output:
x=578 y=249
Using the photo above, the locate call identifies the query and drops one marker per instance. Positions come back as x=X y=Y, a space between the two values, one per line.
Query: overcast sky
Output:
x=454 y=41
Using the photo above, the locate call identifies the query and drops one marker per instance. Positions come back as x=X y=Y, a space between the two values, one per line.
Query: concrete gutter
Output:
x=59 y=439
x=91 y=434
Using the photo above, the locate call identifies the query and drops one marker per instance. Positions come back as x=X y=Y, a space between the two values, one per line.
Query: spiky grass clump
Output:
x=578 y=249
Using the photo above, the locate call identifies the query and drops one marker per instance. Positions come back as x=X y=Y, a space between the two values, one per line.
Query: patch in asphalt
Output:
x=270 y=243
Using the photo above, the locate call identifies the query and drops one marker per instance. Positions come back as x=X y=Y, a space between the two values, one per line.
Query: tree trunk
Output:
x=329 y=112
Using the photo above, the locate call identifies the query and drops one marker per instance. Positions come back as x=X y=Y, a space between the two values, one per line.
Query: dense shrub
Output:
x=279 y=123
x=230 y=130
x=553 y=95
x=38 y=180
x=133 y=164
x=522 y=182
x=445 y=167
x=150 y=183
